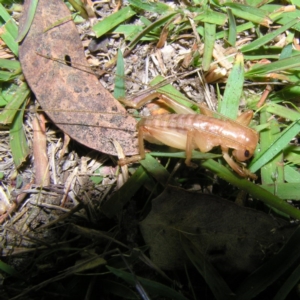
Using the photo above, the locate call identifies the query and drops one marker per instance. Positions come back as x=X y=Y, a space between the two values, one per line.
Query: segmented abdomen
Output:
x=185 y=122
x=223 y=132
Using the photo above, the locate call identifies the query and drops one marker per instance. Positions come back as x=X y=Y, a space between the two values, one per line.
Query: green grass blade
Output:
x=120 y=290
x=249 y=13
x=291 y=175
x=214 y=280
x=278 y=15
x=86 y=265
x=239 y=28
x=280 y=65
x=195 y=155
x=4 y=14
x=61 y=21
x=283 y=112
x=169 y=90
x=273 y=170
x=270 y=271
x=8 y=34
x=29 y=15
x=287 y=51
x=289 y=284
x=209 y=42
x=234 y=88
x=8 y=76
x=15 y=101
x=115 y=203
x=261 y=56
x=150 y=28
x=129 y=31
x=120 y=91
x=79 y=7
x=18 y=142
x=9 y=64
x=12 y=28
x=253 y=189
x=153 y=167
x=7 y=268
x=113 y=20
x=292 y=155
x=150 y=286
x=156 y=7
x=268 y=37
x=213 y=17
x=232 y=28
x=278 y=145
x=284 y=190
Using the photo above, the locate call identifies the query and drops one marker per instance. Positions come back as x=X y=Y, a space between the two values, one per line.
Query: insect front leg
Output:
x=243 y=172
x=189 y=146
x=141 y=155
x=141 y=142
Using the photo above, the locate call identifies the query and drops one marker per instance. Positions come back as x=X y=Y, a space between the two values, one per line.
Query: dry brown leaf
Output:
x=233 y=238
x=74 y=100
x=163 y=36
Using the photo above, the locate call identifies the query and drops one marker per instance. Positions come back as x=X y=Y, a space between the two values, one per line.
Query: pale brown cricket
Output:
x=189 y=131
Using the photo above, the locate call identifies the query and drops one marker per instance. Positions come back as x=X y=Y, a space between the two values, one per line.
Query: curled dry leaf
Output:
x=75 y=101
x=234 y=239
x=41 y=163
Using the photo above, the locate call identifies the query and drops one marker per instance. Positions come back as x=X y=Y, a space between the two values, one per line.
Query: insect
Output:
x=188 y=131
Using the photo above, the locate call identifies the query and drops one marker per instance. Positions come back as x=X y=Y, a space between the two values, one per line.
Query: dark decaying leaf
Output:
x=232 y=238
x=74 y=100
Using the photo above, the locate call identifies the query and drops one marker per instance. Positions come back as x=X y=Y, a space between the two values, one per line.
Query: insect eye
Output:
x=247 y=153
x=68 y=60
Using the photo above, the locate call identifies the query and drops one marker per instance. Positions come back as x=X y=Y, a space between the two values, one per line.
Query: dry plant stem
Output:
x=163 y=37
x=68 y=184
x=296 y=44
x=160 y=61
x=96 y=235
x=122 y=178
x=118 y=6
x=175 y=169
x=210 y=96
x=63 y=217
x=67 y=140
x=219 y=56
x=215 y=74
x=51 y=206
x=19 y=251
x=196 y=34
x=264 y=96
x=16 y=204
x=41 y=164
x=52 y=163
x=188 y=57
